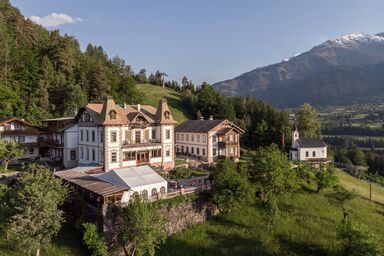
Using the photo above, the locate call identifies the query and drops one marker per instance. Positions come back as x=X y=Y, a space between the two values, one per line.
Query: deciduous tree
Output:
x=140 y=228
x=36 y=218
x=307 y=122
x=326 y=177
x=93 y=240
x=9 y=151
x=231 y=188
x=341 y=198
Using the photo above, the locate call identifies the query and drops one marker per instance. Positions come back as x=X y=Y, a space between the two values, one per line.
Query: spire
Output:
x=163 y=114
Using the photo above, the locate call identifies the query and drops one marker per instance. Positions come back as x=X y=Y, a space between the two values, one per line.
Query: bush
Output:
x=93 y=240
x=180 y=173
x=326 y=177
x=358 y=240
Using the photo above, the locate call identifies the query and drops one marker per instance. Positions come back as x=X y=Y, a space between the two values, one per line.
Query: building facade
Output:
x=117 y=136
x=307 y=149
x=208 y=140
x=51 y=138
x=21 y=132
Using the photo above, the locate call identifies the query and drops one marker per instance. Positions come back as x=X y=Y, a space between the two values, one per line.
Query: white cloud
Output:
x=55 y=20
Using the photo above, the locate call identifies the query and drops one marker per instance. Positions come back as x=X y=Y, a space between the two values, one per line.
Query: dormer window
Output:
x=167 y=115
x=112 y=114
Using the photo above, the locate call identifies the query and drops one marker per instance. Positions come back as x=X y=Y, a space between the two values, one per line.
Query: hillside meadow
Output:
x=307 y=226
x=153 y=93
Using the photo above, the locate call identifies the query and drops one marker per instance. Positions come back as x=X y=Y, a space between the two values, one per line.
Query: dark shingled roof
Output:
x=311 y=143
x=198 y=126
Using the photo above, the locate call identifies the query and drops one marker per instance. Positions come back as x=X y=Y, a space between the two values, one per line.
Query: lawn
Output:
x=152 y=95
x=307 y=226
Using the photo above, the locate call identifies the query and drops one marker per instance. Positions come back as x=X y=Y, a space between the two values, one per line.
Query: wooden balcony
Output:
x=19 y=132
x=50 y=143
x=224 y=144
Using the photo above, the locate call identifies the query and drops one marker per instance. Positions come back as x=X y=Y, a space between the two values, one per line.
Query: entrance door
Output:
x=142 y=157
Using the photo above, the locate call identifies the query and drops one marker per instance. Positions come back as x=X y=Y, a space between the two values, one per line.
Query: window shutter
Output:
x=128 y=135
x=147 y=134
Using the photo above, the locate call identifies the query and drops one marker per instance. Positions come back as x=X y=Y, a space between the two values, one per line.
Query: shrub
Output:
x=358 y=240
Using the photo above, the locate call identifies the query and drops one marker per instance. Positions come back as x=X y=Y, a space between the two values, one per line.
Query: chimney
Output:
x=124 y=105
x=211 y=117
x=138 y=107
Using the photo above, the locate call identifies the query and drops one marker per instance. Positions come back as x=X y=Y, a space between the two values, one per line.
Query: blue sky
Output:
x=207 y=40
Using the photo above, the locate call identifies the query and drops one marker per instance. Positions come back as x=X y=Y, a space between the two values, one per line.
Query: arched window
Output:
x=162 y=190
x=314 y=154
x=167 y=114
x=154 y=192
x=144 y=194
x=112 y=114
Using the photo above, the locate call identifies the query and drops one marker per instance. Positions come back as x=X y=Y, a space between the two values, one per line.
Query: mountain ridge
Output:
x=357 y=50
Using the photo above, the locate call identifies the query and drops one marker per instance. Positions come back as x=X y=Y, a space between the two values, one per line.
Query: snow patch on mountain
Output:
x=354 y=40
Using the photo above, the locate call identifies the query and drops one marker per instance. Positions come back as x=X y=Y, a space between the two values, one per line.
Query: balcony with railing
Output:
x=13 y=132
x=50 y=143
x=140 y=143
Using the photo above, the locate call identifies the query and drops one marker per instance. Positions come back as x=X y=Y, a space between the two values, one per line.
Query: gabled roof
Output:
x=132 y=177
x=198 y=126
x=204 y=126
x=100 y=112
x=311 y=143
x=12 y=119
x=225 y=130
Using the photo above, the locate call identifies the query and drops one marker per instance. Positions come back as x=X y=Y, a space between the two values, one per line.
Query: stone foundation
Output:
x=182 y=215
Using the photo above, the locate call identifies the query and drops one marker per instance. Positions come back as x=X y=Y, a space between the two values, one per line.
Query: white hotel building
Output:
x=134 y=134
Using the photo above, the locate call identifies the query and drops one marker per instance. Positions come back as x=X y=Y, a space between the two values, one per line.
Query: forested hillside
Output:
x=45 y=74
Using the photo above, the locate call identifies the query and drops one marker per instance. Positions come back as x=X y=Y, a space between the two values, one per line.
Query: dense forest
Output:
x=44 y=74
x=262 y=123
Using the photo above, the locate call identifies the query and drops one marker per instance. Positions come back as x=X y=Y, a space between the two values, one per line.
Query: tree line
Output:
x=44 y=74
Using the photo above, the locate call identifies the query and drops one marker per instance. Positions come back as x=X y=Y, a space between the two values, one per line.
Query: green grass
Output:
x=307 y=226
x=362 y=187
x=179 y=161
x=152 y=94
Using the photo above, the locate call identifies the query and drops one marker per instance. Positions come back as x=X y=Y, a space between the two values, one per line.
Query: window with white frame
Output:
x=113 y=157
x=129 y=155
x=113 y=136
